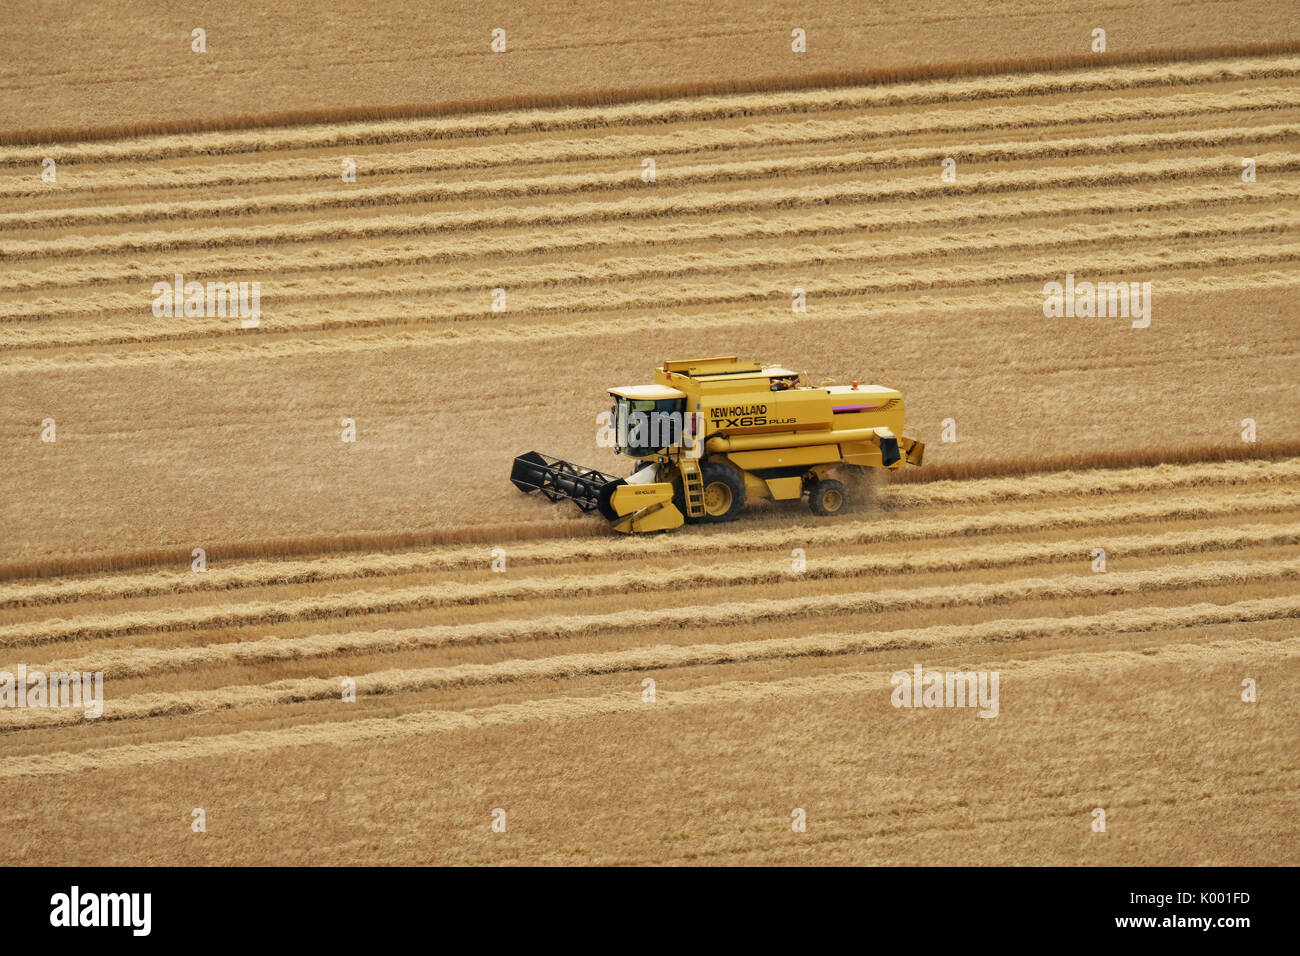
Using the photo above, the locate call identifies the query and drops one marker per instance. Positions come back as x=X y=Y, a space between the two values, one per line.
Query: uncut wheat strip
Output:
x=1100 y=482
x=743 y=693
x=887 y=528
x=250 y=574
x=133 y=662
x=660 y=657
x=417 y=329
x=555 y=522
x=566 y=184
x=897 y=188
x=680 y=110
x=771 y=570
x=728 y=229
x=357 y=312
x=711 y=140
x=96 y=304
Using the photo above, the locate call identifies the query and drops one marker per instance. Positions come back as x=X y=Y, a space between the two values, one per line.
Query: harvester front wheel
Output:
x=724 y=492
x=827 y=497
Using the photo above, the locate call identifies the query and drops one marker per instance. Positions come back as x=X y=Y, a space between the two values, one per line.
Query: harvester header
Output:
x=710 y=433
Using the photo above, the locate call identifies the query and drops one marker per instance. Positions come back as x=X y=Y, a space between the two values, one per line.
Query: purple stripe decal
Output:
x=836 y=409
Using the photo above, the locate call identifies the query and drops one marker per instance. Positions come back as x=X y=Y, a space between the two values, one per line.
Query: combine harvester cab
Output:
x=711 y=433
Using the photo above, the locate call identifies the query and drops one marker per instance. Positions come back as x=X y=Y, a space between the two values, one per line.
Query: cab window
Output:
x=644 y=426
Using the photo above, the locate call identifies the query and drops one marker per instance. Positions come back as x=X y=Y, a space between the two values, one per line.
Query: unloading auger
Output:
x=711 y=433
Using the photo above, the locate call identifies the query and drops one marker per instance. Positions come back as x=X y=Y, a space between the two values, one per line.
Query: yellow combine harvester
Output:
x=711 y=433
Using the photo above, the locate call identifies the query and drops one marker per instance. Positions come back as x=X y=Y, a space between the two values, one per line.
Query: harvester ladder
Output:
x=693 y=482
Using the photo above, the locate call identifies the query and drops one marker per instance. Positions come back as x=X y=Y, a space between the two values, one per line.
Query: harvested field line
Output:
x=1056 y=203
x=734 y=693
x=765 y=571
x=467 y=307
x=687 y=109
x=915 y=187
x=576 y=183
x=1220 y=253
x=401 y=335
x=359 y=567
x=94 y=304
x=662 y=657
x=416 y=329
x=571 y=184
x=1091 y=480
x=137 y=661
x=701 y=141
x=607 y=548
x=265 y=573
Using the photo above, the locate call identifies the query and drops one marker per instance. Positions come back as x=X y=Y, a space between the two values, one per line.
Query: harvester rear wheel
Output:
x=724 y=492
x=827 y=497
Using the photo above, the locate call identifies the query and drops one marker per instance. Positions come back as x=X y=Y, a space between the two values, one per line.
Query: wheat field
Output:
x=771 y=642
x=524 y=690
x=298 y=61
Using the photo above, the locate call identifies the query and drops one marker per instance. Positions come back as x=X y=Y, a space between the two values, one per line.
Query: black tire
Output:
x=730 y=495
x=828 y=497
